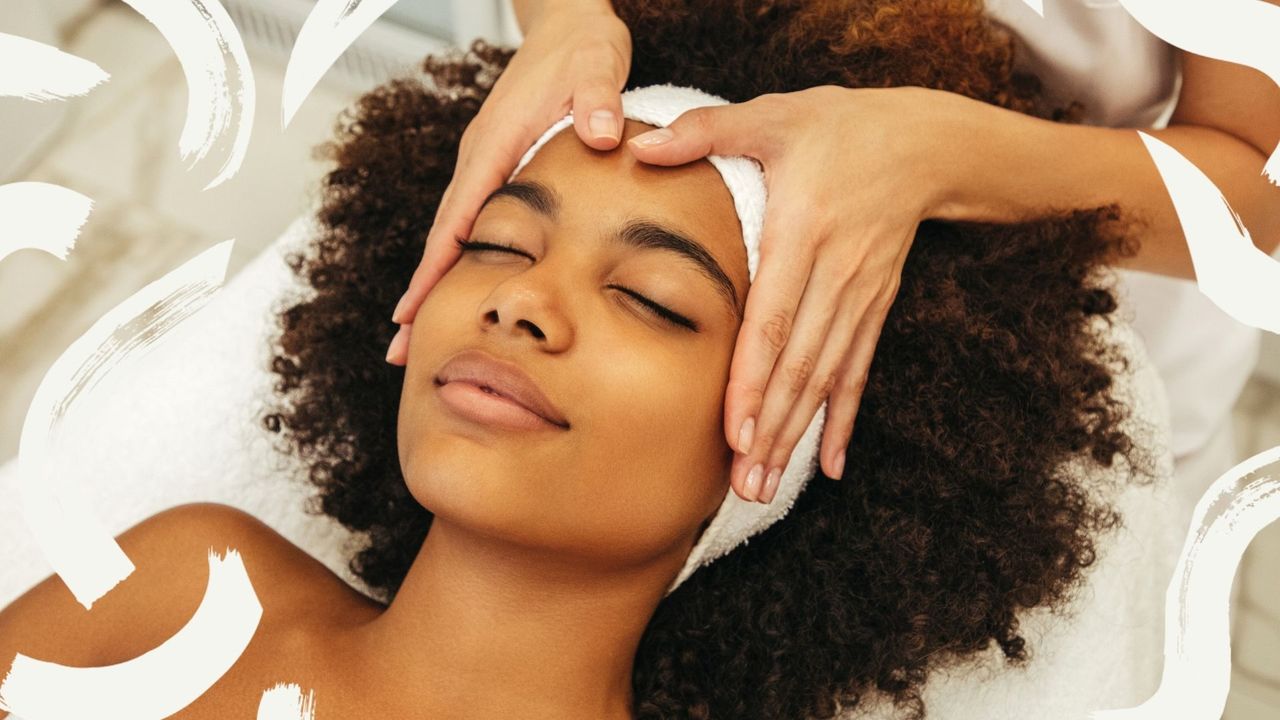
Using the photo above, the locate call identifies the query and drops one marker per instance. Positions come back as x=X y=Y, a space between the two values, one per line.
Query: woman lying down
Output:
x=568 y=561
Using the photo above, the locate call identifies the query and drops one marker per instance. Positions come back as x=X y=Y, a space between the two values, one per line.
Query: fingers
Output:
x=826 y=358
x=398 y=349
x=857 y=311
x=478 y=172
x=740 y=129
x=597 y=112
x=775 y=295
x=851 y=379
x=846 y=398
x=802 y=378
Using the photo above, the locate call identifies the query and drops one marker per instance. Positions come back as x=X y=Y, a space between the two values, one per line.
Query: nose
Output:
x=528 y=305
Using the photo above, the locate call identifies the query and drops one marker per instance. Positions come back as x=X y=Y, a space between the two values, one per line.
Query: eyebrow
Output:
x=640 y=234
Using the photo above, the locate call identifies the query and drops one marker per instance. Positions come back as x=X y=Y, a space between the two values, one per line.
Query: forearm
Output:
x=527 y=11
x=1012 y=166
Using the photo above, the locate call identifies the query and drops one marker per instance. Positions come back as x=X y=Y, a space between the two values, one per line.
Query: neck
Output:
x=488 y=630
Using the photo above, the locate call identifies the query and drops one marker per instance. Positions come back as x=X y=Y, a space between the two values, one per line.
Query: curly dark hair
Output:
x=956 y=511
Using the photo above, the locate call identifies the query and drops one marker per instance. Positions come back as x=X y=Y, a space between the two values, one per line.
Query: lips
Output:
x=502 y=378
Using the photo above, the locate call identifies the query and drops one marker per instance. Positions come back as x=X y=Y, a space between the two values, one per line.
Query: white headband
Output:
x=737 y=520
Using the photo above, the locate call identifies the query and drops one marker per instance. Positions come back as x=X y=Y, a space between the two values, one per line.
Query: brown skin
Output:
x=509 y=581
x=626 y=380
x=545 y=538
x=301 y=601
x=952 y=516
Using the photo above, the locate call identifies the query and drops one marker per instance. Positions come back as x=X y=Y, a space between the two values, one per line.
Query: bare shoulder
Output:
x=170 y=552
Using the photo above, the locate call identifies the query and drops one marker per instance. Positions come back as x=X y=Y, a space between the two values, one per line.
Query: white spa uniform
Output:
x=1093 y=51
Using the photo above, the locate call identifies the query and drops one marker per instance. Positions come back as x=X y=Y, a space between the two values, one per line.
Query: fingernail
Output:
x=771 y=485
x=752 y=488
x=603 y=124
x=653 y=137
x=400 y=338
x=396 y=314
x=839 y=465
x=746 y=434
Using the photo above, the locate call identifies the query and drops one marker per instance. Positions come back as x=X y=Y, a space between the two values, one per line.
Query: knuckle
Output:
x=699 y=120
x=798 y=372
x=825 y=385
x=611 y=56
x=765 y=439
x=776 y=331
x=780 y=457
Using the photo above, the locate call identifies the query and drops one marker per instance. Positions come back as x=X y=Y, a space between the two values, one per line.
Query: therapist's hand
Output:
x=850 y=175
x=576 y=55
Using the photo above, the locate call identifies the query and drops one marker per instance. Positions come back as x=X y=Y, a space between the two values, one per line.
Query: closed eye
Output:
x=652 y=307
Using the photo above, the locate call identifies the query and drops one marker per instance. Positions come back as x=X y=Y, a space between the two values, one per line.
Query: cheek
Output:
x=645 y=462
x=655 y=462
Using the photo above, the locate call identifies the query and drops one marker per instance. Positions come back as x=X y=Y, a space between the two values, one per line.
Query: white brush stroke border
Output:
x=48 y=73
x=77 y=546
x=328 y=31
x=158 y=683
x=1245 y=32
x=1245 y=283
x=1197 y=652
x=1252 y=503
x=1230 y=270
x=286 y=702
x=202 y=35
x=41 y=216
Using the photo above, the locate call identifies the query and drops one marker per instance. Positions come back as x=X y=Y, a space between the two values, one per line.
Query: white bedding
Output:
x=182 y=426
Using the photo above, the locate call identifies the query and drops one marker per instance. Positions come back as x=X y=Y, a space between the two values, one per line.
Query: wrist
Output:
x=957 y=133
x=531 y=12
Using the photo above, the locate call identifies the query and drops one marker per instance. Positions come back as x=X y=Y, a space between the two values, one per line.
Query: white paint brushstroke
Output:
x=158 y=683
x=1235 y=31
x=41 y=216
x=38 y=72
x=285 y=702
x=1037 y=5
x=203 y=35
x=77 y=546
x=1197 y=649
x=328 y=31
x=1230 y=270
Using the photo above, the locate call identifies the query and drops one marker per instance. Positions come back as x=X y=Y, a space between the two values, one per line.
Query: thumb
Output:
x=597 y=113
x=721 y=130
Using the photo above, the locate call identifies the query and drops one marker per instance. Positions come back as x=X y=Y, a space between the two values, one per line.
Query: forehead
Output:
x=609 y=188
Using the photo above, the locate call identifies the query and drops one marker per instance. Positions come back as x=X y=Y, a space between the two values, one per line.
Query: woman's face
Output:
x=643 y=461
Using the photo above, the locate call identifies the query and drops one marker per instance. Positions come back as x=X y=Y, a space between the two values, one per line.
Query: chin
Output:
x=454 y=477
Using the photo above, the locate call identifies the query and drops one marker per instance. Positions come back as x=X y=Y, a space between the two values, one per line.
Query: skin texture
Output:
x=628 y=382
x=536 y=526
x=952 y=518
x=953 y=514
x=530 y=526
x=811 y=328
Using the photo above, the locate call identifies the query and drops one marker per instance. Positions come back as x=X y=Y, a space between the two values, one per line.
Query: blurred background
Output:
x=119 y=145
